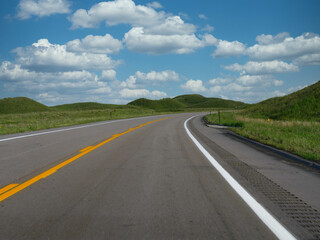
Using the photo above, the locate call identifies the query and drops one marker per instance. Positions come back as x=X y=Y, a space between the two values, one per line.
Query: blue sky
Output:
x=63 y=51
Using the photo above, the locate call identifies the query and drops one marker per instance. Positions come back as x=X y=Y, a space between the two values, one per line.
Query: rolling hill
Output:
x=301 y=105
x=166 y=104
x=87 y=106
x=21 y=105
x=185 y=102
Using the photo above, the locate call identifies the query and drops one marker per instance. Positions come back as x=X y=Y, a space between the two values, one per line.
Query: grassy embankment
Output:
x=23 y=114
x=294 y=123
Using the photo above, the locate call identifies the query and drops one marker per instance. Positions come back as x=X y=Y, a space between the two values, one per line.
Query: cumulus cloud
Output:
x=95 y=44
x=44 y=56
x=207 y=28
x=260 y=68
x=131 y=82
x=152 y=32
x=108 y=75
x=215 y=89
x=264 y=80
x=16 y=78
x=193 y=86
x=116 y=12
x=219 y=80
x=309 y=59
x=171 y=26
x=235 y=87
x=141 y=93
x=227 y=49
x=138 y=41
x=284 y=47
x=270 y=39
x=154 y=5
x=153 y=77
x=41 y=8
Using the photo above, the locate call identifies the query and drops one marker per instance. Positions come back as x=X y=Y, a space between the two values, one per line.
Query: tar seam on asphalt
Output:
x=293 y=207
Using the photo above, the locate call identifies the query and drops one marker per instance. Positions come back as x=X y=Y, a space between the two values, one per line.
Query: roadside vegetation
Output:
x=299 y=137
x=23 y=114
x=24 y=122
x=291 y=123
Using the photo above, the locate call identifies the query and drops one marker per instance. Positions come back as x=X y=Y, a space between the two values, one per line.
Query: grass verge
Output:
x=301 y=138
x=25 y=122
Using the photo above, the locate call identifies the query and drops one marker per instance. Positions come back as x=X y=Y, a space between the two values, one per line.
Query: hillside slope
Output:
x=190 y=100
x=87 y=106
x=166 y=104
x=21 y=105
x=301 y=105
x=185 y=102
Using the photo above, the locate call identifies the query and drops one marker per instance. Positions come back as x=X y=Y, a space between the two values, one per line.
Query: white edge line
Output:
x=273 y=224
x=72 y=128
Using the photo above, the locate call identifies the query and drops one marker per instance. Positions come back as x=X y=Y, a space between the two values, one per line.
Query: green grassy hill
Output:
x=88 y=106
x=301 y=105
x=166 y=104
x=190 y=100
x=220 y=103
x=21 y=105
x=185 y=102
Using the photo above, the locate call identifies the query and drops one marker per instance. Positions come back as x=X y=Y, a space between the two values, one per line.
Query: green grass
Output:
x=21 y=105
x=24 y=122
x=226 y=119
x=185 y=102
x=301 y=138
x=166 y=104
x=303 y=105
x=89 y=106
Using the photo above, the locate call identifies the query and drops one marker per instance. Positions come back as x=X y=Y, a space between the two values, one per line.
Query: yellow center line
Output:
x=85 y=149
x=12 y=189
x=7 y=188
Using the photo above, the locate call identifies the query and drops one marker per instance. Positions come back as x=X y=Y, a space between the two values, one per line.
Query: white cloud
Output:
x=81 y=83
x=260 y=68
x=95 y=44
x=219 y=80
x=141 y=93
x=207 y=28
x=116 y=12
x=309 y=59
x=41 y=8
x=236 y=88
x=171 y=26
x=153 y=76
x=152 y=32
x=130 y=82
x=282 y=46
x=108 y=75
x=44 y=56
x=154 y=5
x=269 y=39
x=193 y=86
x=141 y=79
x=226 y=49
x=215 y=89
x=138 y=41
x=202 y=16
x=262 y=80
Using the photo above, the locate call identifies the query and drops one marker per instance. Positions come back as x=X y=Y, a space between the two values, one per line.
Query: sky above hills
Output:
x=63 y=51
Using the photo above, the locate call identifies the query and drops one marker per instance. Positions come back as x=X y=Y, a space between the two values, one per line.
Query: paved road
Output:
x=132 y=180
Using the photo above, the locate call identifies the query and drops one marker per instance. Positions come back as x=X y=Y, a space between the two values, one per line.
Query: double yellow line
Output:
x=14 y=188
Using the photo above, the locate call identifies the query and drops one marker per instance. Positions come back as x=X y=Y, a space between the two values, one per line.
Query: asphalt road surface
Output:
x=146 y=179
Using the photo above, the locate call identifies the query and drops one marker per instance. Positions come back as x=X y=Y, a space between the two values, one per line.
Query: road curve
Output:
x=133 y=179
